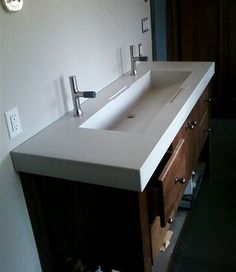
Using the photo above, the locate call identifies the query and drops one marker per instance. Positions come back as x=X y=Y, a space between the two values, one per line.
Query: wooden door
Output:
x=205 y=30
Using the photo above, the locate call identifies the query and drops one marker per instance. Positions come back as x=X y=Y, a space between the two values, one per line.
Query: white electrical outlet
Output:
x=13 y=122
x=12 y=5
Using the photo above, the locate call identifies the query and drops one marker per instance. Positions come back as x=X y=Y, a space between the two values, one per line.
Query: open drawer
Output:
x=164 y=190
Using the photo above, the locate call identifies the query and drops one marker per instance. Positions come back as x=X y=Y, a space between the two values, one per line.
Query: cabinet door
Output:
x=191 y=135
x=203 y=129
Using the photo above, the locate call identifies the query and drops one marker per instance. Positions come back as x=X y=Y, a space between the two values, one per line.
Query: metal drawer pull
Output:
x=191 y=124
x=211 y=100
x=180 y=180
x=170 y=221
x=208 y=130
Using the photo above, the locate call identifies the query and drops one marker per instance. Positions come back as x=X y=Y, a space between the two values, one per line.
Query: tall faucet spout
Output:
x=76 y=94
x=134 y=58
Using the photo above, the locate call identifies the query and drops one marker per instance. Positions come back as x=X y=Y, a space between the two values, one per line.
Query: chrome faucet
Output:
x=76 y=94
x=134 y=58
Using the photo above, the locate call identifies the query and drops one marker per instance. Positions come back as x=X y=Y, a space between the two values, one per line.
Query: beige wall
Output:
x=39 y=48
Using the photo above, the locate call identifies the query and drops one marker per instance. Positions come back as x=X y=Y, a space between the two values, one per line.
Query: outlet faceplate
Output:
x=12 y=5
x=13 y=122
x=145 y=24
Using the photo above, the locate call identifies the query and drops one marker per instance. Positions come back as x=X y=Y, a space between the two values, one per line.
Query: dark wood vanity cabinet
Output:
x=96 y=224
x=121 y=229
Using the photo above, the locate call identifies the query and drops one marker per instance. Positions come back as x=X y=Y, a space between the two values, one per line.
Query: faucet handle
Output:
x=140 y=50
x=73 y=84
x=89 y=94
x=143 y=58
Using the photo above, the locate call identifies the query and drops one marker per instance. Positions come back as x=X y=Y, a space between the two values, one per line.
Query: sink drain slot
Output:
x=175 y=95
x=119 y=92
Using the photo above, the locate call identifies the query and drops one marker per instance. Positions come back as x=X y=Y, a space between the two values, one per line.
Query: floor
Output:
x=209 y=239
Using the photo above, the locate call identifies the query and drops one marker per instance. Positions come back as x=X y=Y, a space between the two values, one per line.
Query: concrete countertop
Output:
x=112 y=158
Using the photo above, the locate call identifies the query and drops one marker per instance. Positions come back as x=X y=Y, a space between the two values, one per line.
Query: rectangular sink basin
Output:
x=133 y=107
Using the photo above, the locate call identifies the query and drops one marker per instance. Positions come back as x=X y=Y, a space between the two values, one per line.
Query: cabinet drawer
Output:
x=164 y=191
x=171 y=181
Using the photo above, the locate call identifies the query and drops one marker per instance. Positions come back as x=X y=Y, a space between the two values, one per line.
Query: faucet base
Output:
x=77 y=113
x=133 y=73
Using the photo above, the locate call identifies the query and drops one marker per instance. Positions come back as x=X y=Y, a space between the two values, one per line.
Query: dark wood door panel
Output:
x=205 y=30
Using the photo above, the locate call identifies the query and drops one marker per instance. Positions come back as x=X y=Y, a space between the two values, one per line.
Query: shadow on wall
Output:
x=120 y=55
x=63 y=100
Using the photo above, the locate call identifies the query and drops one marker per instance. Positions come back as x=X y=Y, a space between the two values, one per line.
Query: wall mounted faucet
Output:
x=76 y=94
x=134 y=58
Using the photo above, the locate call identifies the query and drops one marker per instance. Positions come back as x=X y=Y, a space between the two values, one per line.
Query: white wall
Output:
x=39 y=48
